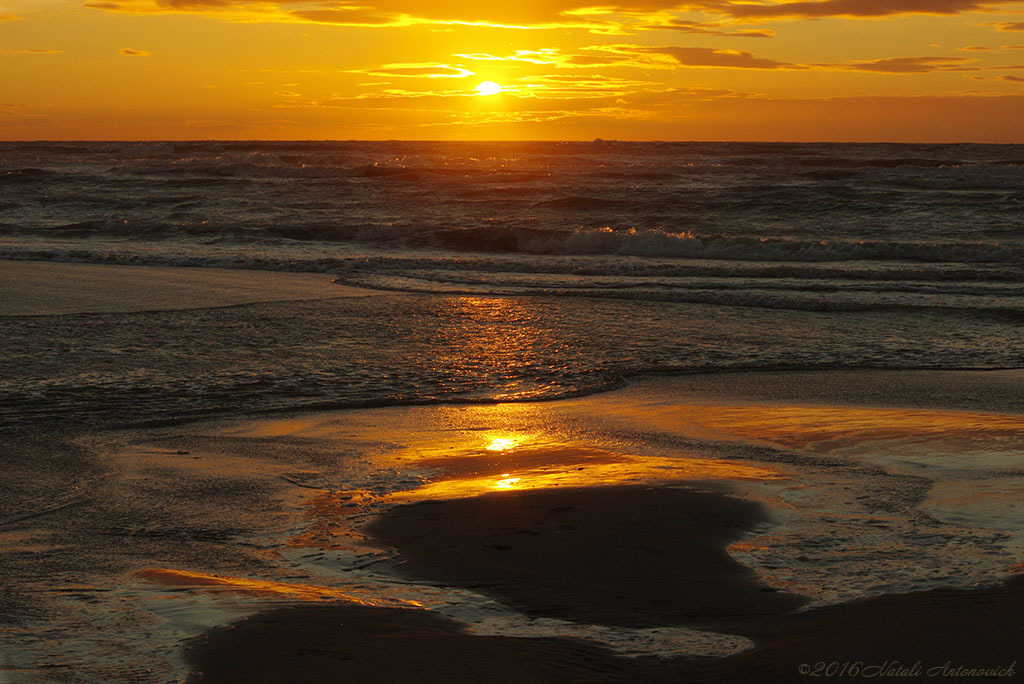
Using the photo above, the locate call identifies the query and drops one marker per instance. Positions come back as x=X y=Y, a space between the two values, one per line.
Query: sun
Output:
x=488 y=88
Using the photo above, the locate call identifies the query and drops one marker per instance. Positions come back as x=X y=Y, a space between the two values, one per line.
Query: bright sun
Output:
x=488 y=88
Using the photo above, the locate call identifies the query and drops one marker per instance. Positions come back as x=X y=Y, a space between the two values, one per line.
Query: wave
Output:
x=28 y=175
x=581 y=203
x=658 y=243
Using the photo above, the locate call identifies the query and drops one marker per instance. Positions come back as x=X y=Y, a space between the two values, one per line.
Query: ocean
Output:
x=531 y=270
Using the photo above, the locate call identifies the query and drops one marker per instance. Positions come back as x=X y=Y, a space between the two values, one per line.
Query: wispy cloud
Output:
x=132 y=52
x=671 y=57
x=31 y=51
x=710 y=57
x=708 y=28
x=416 y=70
x=906 y=65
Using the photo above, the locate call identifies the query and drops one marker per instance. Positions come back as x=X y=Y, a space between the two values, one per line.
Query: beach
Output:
x=259 y=450
x=714 y=527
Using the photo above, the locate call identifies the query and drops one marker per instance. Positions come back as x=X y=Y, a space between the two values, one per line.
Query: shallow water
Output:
x=150 y=536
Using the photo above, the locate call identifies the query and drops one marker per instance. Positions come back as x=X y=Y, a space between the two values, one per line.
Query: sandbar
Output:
x=38 y=288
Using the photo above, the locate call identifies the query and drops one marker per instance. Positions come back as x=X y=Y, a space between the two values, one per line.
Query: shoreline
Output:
x=49 y=288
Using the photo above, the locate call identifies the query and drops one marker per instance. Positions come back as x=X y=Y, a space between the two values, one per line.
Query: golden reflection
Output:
x=263 y=588
x=331 y=522
x=831 y=429
x=507 y=482
x=501 y=444
x=540 y=465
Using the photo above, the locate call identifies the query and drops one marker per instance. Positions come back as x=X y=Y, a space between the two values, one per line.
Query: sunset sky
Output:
x=858 y=70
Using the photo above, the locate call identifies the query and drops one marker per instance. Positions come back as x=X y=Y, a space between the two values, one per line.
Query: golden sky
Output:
x=857 y=70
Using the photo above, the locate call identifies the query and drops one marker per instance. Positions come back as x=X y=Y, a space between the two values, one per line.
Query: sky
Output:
x=774 y=70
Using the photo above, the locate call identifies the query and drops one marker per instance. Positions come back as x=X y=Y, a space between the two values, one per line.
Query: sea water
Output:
x=538 y=270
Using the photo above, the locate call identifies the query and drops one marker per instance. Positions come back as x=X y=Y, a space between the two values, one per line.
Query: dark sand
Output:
x=613 y=555
x=342 y=644
x=628 y=556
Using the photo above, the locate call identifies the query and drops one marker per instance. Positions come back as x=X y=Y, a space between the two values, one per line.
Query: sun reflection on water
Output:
x=514 y=461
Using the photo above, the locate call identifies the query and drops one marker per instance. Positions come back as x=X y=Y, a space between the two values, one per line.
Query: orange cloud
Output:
x=356 y=17
x=613 y=19
x=709 y=57
x=683 y=26
x=852 y=8
x=907 y=65
x=542 y=56
x=31 y=51
x=642 y=56
x=417 y=70
x=1012 y=79
x=130 y=52
x=1010 y=26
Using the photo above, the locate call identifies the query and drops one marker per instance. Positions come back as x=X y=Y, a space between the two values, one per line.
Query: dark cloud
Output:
x=851 y=8
x=131 y=52
x=622 y=17
x=705 y=28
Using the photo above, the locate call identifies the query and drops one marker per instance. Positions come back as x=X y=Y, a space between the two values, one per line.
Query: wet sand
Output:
x=40 y=288
x=403 y=541
x=636 y=556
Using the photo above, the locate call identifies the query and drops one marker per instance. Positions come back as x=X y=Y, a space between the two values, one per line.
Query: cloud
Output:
x=31 y=51
x=542 y=56
x=617 y=18
x=566 y=87
x=416 y=70
x=641 y=57
x=1009 y=26
x=711 y=57
x=360 y=17
x=131 y=52
x=906 y=65
x=378 y=13
x=1013 y=79
x=705 y=28
x=674 y=57
x=850 y=8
